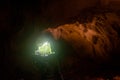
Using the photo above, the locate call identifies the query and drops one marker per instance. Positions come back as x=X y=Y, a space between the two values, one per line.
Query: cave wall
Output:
x=21 y=20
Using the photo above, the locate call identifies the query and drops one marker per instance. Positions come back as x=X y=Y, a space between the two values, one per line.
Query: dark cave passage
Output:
x=85 y=35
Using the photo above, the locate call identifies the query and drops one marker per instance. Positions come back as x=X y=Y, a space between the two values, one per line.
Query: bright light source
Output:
x=44 y=49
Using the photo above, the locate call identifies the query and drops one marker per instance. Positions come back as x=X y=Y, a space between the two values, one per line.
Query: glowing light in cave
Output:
x=44 y=49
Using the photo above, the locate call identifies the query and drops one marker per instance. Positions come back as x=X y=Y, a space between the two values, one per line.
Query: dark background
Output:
x=21 y=22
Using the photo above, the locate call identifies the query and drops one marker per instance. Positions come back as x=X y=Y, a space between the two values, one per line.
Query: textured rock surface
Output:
x=96 y=45
x=95 y=39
